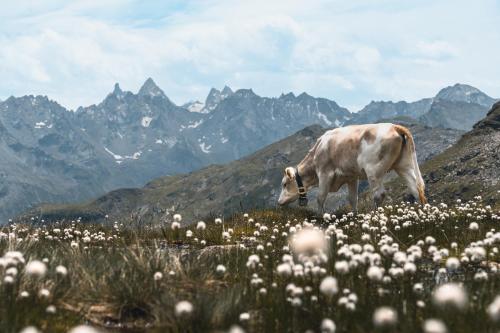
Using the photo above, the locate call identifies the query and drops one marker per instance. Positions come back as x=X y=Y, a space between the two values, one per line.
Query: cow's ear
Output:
x=290 y=173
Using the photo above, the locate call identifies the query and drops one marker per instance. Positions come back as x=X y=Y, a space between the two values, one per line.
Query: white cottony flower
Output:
x=189 y=233
x=158 y=276
x=183 y=308
x=30 y=329
x=284 y=269
x=177 y=217
x=309 y=241
x=493 y=310
x=218 y=221
x=36 y=268
x=342 y=267
x=434 y=326
x=175 y=225
x=83 y=329
x=473 y=226
x=12 y=271
x=253 y=261
x=8 y=279
x=15 y=257
x=450 y=294
x=245 y=316
x=452 y=263
x=327 y=326
x=220 y=269
x=375 y=273
x=61 y=270
x=236 y=329
x=329 y=286
x=51 y=309
x=44 y=293
x=385 y=316
x=201 y=225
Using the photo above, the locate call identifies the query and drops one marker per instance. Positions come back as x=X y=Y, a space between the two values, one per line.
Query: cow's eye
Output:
x=284 y=185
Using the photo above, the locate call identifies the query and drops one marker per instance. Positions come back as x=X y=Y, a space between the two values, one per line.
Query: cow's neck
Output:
x=307 y=172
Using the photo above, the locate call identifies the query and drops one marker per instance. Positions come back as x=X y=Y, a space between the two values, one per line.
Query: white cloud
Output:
x=349 y=51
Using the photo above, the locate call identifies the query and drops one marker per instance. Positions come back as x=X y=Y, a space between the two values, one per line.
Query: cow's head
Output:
x=289 y=188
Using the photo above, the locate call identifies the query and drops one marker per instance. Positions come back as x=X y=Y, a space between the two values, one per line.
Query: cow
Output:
x=345 y=155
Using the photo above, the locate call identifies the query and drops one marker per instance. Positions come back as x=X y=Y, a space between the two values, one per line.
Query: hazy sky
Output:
x=349 y=51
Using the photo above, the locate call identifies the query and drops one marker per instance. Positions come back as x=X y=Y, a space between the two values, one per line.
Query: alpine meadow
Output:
x=225 y=166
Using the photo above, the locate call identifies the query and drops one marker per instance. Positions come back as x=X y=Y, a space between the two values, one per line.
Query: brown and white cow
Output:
x=346 y=154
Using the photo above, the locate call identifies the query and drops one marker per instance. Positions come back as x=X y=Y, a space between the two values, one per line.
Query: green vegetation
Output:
x=266 y=271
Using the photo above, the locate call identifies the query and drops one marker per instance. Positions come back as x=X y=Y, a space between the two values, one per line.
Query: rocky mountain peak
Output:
x=117 y=90
x=149 y=88
x=226 y=92
x=216 y=96
x=304 y=96
x=213 y=99
x=290 y=95
x=465 y=93
x=245 y=93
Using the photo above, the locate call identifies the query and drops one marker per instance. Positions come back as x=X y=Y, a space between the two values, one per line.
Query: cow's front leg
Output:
x=353 y=195
x=324 y=188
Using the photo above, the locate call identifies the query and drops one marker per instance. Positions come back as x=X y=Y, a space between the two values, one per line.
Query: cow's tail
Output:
x=409 y=144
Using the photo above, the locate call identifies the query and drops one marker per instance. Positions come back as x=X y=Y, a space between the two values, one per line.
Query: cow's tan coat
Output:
x=345 y=155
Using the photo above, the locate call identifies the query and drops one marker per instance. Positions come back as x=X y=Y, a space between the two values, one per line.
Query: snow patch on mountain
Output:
x=146 y=121
x=195 y=124
x=205 y=148
x=196 y=106
x=115 y=156
x=42 y=124
x=119 y=158
x=324 y=118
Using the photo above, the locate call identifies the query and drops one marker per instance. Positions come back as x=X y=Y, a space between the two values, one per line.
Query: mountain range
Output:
x=244 y=184
x=51 y=154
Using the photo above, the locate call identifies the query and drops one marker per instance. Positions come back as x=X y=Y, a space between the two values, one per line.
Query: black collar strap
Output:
x=302 y=190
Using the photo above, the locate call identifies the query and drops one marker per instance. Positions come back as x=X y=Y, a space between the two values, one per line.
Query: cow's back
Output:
x=344 y=149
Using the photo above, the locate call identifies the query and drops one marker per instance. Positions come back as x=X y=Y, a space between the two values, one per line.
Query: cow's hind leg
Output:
x=410 y=178
x=377 y=187
x=353 y=195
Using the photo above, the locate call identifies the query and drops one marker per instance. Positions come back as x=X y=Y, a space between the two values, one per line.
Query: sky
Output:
x=350 y=51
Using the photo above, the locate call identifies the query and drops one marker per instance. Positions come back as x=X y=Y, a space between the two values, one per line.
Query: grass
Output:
x=110 y=281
